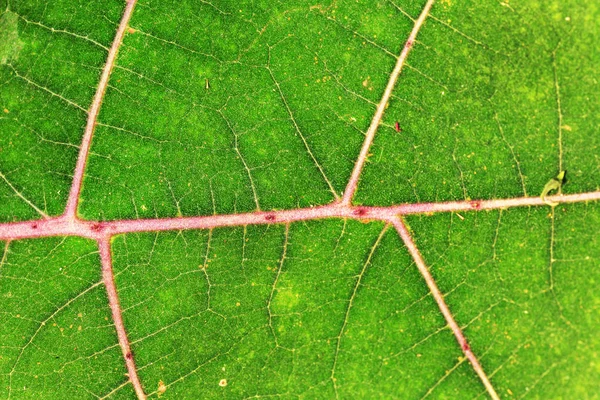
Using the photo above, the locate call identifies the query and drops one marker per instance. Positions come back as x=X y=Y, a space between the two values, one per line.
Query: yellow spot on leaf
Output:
x=286 y=298
x=161 y=388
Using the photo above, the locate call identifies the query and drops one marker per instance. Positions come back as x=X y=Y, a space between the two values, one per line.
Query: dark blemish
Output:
x=466 y=347
x=360 y=211
x=397 y=127
x=409 y=44
x=270 y=217
x=129 y=356
x=34 y=226
x=476 y=204
x=96 y=227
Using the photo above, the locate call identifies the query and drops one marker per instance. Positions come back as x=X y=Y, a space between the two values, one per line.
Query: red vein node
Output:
x=270 y=217
x=360 y=211
x=476 y=205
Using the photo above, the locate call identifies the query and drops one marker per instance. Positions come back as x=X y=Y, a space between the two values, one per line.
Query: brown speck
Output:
x=223 y=382
x=129 y=356
x=131 y=30
x=34 y=226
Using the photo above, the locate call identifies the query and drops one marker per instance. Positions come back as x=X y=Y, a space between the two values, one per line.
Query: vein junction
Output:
x=69 y=224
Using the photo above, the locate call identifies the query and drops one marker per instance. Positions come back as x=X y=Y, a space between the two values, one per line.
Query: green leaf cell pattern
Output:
x=252 y=199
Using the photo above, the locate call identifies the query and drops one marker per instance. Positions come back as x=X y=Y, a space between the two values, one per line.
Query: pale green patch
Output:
x=286 y=298
x=10 y=45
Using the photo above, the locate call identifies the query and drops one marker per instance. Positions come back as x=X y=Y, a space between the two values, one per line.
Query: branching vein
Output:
x=274 y=287
x=113 y=300
x=297 y=128
x=349 y=308
x=45 y=89
x=512 y=151
x=364 y=152
x=242 y=159
x=73 y=200
x=20 y=195
x=439 y=299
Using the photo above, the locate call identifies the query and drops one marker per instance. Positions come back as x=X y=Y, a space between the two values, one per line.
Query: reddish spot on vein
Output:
x=409 y=44
x=270 y=217
x=34 y=226
x=360 y=211
x=129 y=356
x=476 y=204
x=466 y=346
x=97 y=227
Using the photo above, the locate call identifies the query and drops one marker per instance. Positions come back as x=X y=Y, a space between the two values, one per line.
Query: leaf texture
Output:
x=209 y=243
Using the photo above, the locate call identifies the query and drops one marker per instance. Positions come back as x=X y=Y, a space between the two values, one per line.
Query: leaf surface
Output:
x=225 y=108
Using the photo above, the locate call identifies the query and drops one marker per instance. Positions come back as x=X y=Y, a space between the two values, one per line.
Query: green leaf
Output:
x=224 y=108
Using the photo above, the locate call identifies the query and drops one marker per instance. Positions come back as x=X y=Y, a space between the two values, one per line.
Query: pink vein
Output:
x=73 y=200
x=364 y=151
x=69 y=225
x=97 y=230
x=113 y=301
x=439 y=299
